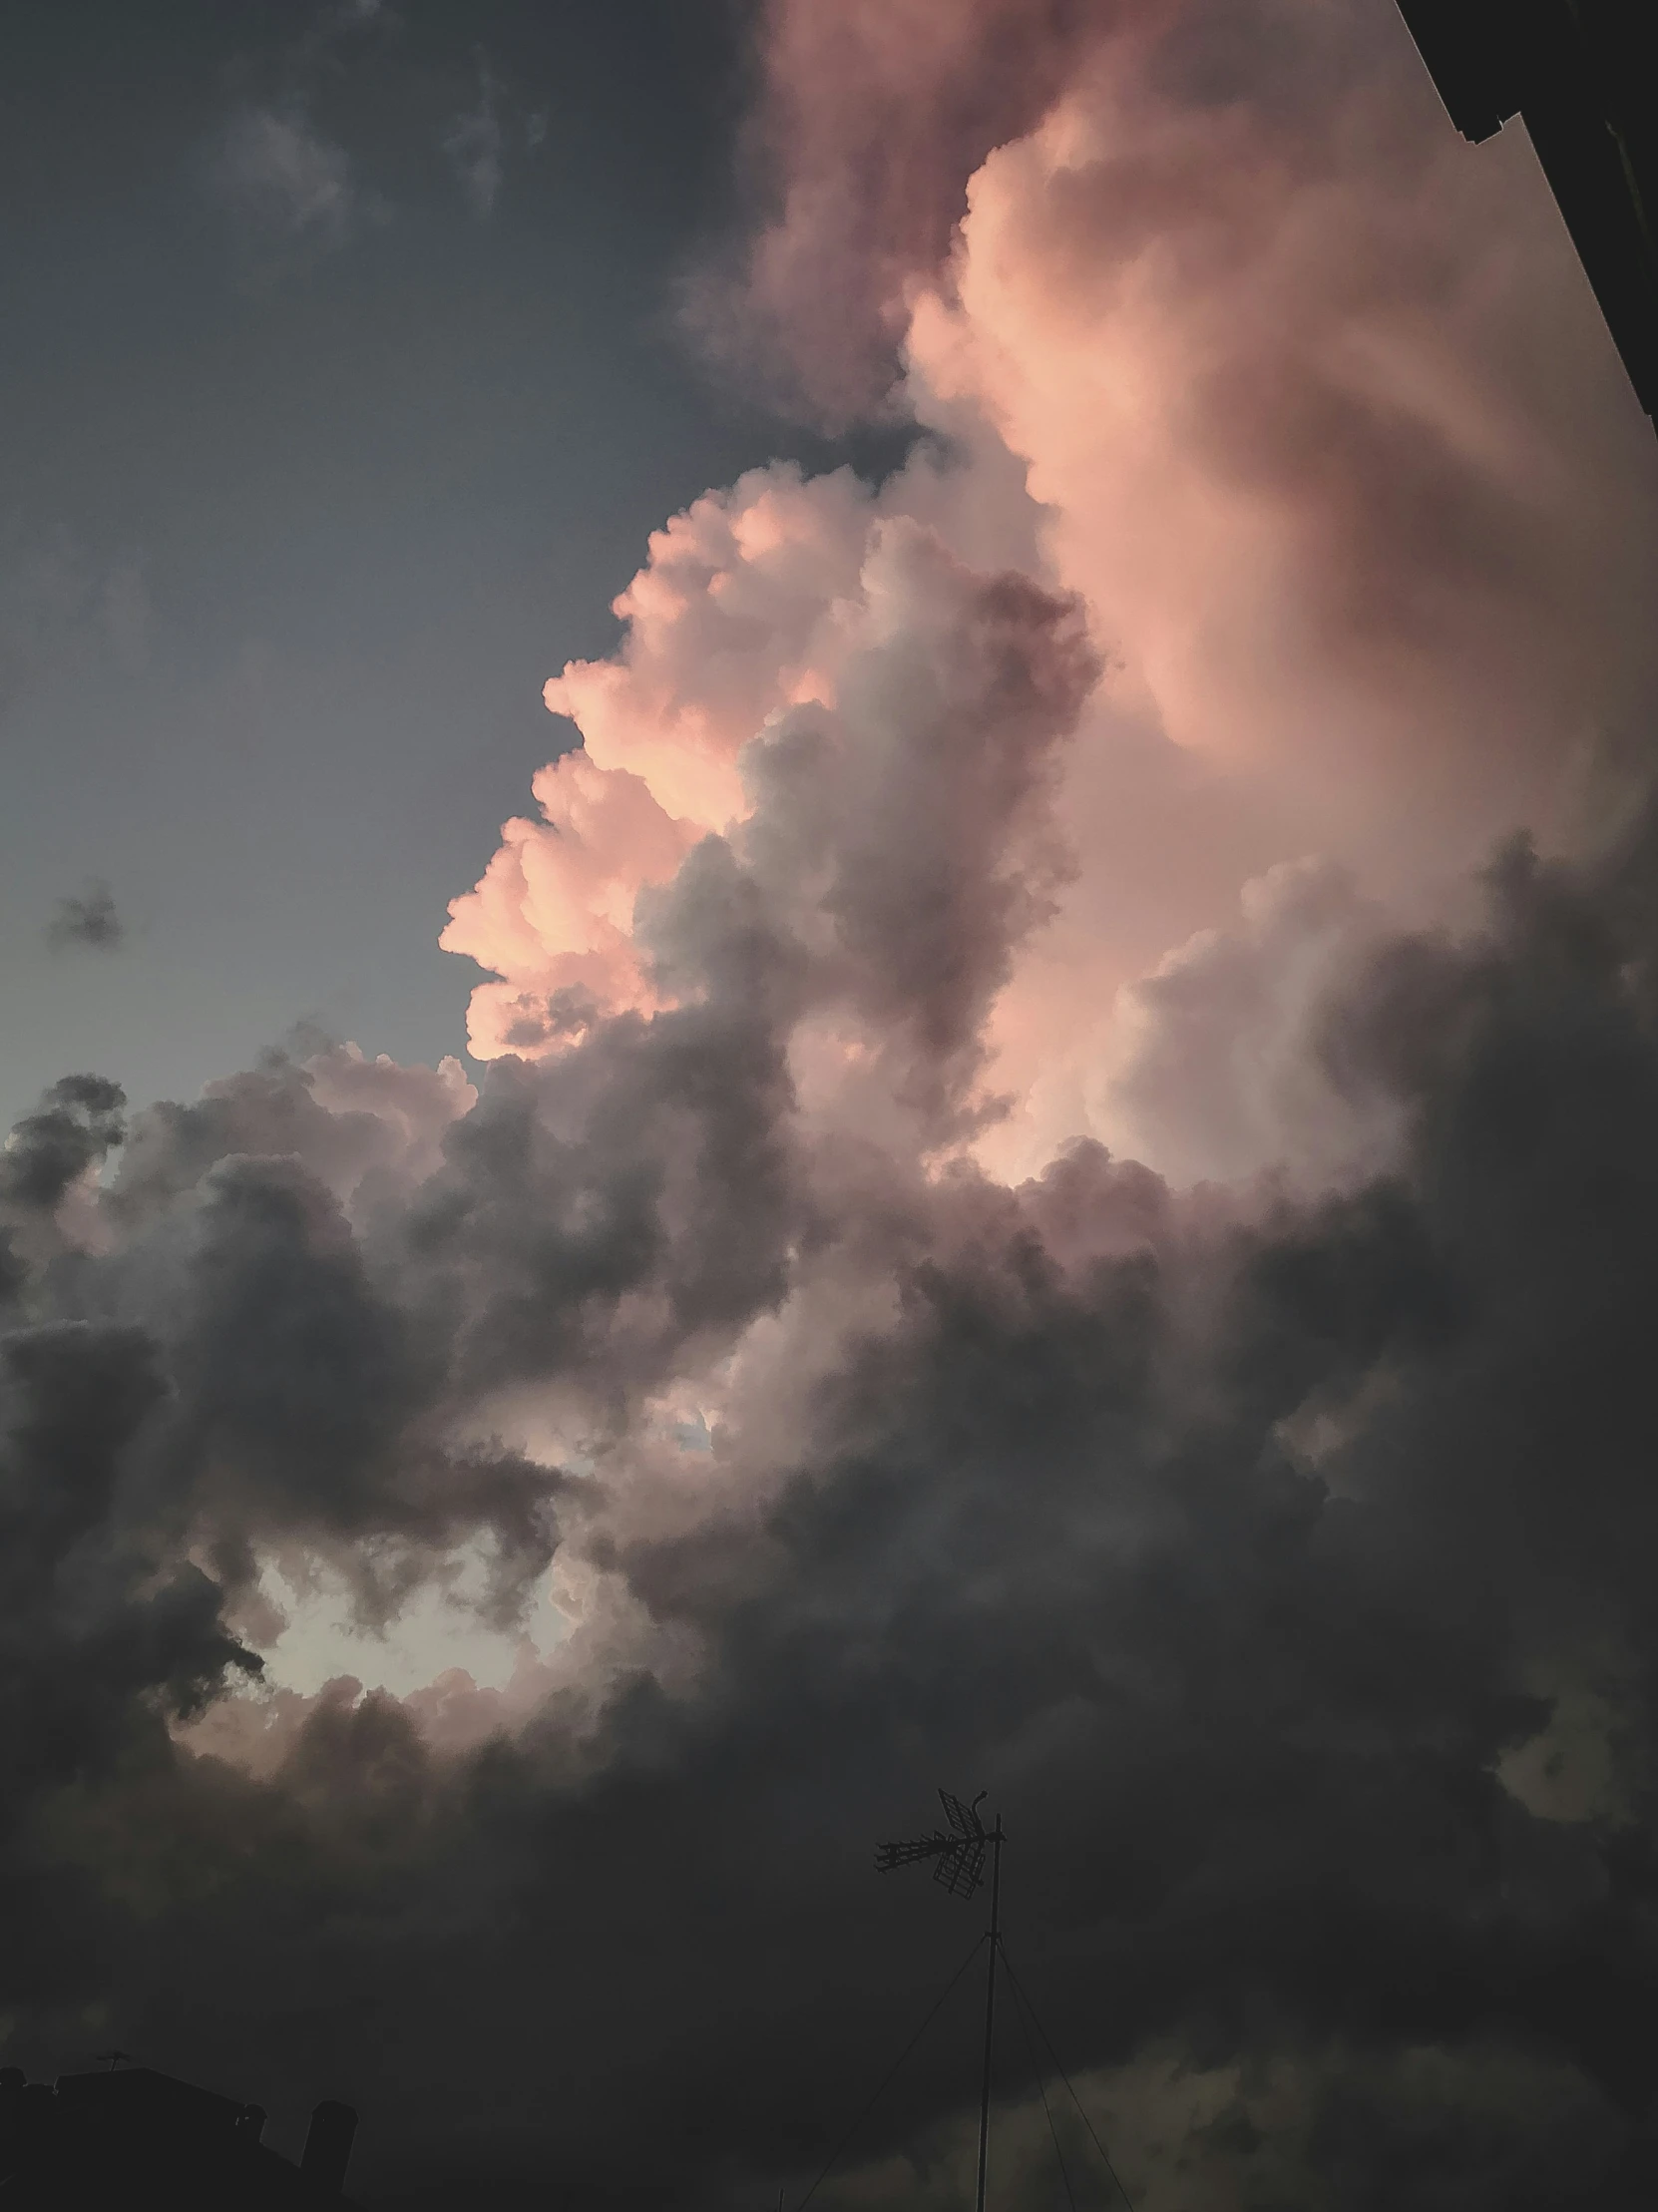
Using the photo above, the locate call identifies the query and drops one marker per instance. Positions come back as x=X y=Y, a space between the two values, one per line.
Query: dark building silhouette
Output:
x=133 y=2137
x=1579 y=74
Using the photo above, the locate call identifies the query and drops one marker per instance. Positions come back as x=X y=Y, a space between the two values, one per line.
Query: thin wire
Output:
x=1041 y=2086
x=1105 y=2154
x=886 y=2079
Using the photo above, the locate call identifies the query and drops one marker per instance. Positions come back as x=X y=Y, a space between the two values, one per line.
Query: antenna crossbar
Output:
x=960 y=1858
x=959 y=1869
x=890 y=1855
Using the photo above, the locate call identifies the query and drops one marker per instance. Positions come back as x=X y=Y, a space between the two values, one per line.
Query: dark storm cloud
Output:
x=75 y=1126
x=304 y=1407
x=1238 y=1547
x=99 y=1625
x=90 y=919
x=300 y=1405
x=1262 y=1555
x=1234 y=1552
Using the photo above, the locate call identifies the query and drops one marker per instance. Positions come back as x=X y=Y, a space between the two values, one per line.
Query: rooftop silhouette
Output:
x=124 y=2134
x=1576 y=72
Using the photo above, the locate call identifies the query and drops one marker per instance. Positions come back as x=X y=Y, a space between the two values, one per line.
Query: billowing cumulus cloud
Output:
x=74 y=1127
x=1271 y=342
x=1219 y=327
x=1059 y=1201
x=1216 y=1068
x=1227 y=1538
x=872 y=120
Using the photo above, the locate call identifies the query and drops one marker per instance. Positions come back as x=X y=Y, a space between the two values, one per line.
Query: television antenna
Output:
x=959 y=1856
x=959 y=1852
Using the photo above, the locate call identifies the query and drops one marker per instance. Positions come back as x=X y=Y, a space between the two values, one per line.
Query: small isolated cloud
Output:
x=90 y=920
x=289 y=182
x=475 y=143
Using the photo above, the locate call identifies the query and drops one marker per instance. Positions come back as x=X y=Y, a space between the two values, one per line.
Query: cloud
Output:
x=368 y=1130
x=1268 y=1525
x=475 y=142
x=1223 y=1545
x=78 y=1122
x=1225 y=1537
x=90 y=920
x=871 y=121
x=99 y=1625
x=1212 y=1076
x=1268 y=345
x=290 y=184
x=1306 y=399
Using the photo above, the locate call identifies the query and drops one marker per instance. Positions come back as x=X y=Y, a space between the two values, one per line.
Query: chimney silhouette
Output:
x=327 y=2150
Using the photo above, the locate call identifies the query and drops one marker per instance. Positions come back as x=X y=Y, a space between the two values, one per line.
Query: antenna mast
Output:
x=958 y=1857
x=995 y=1839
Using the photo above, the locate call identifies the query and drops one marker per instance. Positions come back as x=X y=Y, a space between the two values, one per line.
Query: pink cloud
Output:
x=1228 y=334
x=1328 y=431
x=873 y=116
x=735 y=615
x=553 y=914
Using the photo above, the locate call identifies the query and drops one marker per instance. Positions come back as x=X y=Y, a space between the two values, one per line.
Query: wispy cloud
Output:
x=479 y=138
x=289 y=183
x=475 y=143
x=90 y=921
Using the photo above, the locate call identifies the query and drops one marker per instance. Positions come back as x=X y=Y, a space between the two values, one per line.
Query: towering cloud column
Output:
x=1224 y=333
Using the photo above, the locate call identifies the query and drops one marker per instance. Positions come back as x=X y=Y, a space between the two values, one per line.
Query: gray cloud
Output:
x=1215 y=1077
x=1234 y=1551
x=1258 y=1549
x=89 y=919
x=77 y=1123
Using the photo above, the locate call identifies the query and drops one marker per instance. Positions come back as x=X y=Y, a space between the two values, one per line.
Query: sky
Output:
x=1012 y=1150
x=341 y=390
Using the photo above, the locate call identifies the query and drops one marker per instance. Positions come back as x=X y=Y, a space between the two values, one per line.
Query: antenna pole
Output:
x=990 y=2009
